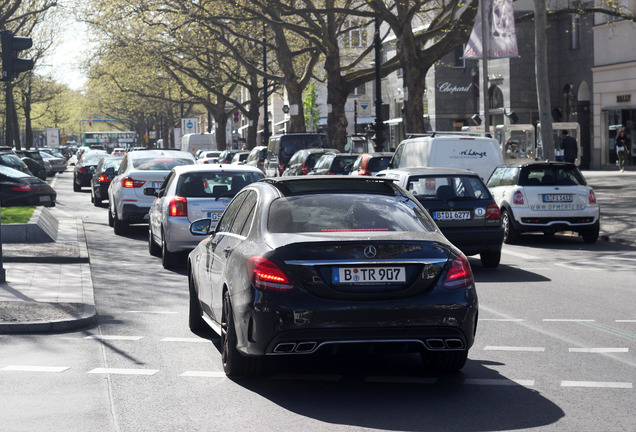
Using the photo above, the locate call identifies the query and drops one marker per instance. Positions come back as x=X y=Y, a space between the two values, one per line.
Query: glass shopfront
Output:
x=618 y=120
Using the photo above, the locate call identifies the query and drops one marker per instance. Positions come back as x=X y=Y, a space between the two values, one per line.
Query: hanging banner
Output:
x=502 y=41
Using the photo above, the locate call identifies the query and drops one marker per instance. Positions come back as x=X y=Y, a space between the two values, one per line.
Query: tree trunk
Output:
x=543 y=83
x=253 y=112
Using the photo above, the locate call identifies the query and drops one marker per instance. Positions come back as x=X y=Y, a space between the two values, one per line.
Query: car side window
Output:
x=356 y=164
x=225 y=224
x=243 y=214
x=495 y=178
x=122 y=167
x=167 y=182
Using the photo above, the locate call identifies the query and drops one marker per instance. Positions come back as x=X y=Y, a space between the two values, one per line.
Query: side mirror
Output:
x=150 y=191
x=201 y=226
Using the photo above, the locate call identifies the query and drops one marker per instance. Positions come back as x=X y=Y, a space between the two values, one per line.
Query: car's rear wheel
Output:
x=511 y=234
x=153 y=247
x=168 y=259
x=195 y=319
x=76 y=187
x=111 y=219
x=445 y=361
x=235 y=363
x=591 y=235
x=120 y=226
x=490 y=259
x=96 y=201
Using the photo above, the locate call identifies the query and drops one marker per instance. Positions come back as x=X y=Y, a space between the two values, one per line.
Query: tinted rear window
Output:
x=214 y=184
x=551 y=175
x=342 y=164
x=159 y=164
x=445 y=187
x=378 y=163
x=291 y=144
x=347 y=213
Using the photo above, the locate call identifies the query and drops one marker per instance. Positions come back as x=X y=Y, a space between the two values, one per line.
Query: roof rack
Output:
x=439 y=133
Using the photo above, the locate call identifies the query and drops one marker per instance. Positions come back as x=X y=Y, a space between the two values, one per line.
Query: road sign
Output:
x=364 y=106
x=189 y=125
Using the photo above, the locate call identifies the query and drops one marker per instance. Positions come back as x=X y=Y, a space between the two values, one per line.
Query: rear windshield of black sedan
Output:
x=346 y=213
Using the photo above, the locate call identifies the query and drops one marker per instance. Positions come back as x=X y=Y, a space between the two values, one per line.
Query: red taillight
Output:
x=103 y=178
x=22 y=188
x=591 y=197
x=129 y=182
x=82 y=170
x=178 y=206
x=331 y=173
x=364 y=172
x=304 y=170
x=205 y=162
x=266 y=275
x=493 y=212
x=260 y=164
x=459 y=275
x=281 y=167
x=518 y=198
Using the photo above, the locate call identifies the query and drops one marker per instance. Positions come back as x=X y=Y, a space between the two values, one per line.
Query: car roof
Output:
x=159 y=153
x=430 y=171
x=183 y=169
x=537 y=163
x=304 y=185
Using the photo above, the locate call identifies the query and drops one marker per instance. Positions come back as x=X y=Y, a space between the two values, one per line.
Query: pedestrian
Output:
x=622 y=148
x=569 y=146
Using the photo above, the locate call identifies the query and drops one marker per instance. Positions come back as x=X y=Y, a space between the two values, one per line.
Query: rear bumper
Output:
x=527 y=220
x=134 y=214
x=472 y=241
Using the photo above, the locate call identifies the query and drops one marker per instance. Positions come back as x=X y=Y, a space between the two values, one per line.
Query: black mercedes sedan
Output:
x=21 y=189
x=301 y=265
x=85 y=168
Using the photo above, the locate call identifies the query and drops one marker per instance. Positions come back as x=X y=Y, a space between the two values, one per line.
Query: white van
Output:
x=192 y=143
x=449 y=150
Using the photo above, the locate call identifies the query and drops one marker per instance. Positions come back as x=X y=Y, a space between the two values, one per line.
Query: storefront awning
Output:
x=393 y=121
x=365 y=120
x=281 y=122
x=242 y=128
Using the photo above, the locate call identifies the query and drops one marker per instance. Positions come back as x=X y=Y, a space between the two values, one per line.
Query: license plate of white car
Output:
x=451 y=215
x=557 y=198
x=214 y=215
x=367 y=275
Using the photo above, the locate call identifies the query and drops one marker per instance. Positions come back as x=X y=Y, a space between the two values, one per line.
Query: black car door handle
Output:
x=227 y=251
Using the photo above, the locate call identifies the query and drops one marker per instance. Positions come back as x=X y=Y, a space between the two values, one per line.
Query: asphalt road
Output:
x=555 y=351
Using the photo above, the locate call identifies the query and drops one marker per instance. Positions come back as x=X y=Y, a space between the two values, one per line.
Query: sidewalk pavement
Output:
x=49 y=288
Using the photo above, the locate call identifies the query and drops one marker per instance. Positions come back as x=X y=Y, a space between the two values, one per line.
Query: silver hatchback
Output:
x=191 y=192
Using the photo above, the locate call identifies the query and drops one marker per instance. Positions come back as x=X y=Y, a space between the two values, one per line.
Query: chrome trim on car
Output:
x=384 y=261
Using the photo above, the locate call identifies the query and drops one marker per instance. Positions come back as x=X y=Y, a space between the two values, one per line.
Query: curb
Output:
x=55 y=326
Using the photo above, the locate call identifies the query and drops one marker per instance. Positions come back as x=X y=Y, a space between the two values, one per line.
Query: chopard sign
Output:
x=447 y=87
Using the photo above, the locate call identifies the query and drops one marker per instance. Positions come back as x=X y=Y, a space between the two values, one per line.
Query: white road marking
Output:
x=498 y=382
x=308 y=377
x=520 y=254
x=153 y=312
x=599 y=350
x=206 y=374
x=513 y=348
x=400 y=380
x=626 y=321
x=25 y=368
x=597 y=384
x=502 y=319
x=189 y=340
x=115 y=371
x=114 y=337
x=567 y=320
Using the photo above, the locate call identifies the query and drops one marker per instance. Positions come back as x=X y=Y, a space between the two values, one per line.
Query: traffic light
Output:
x=11 y=46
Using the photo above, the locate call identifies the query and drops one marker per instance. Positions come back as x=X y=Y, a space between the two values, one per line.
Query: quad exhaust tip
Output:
x=445 y=344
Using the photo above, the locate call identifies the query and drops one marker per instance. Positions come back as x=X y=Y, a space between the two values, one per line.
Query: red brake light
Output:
x=518 y=198
x=22 y=188
x=178 y=206
x=82 y=170
x=129 y=182
x=304 y=170
x=267 y=275
x=493 y=212
x=460 y=275
x=364 y=172
x=281 y=167
x=591 y=198
x=103 y=178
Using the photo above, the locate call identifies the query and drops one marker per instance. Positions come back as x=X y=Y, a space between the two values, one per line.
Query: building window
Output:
x=575 y=32
x=355 y=34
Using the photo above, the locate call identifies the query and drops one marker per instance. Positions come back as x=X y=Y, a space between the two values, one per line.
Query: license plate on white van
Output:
x=451 y=215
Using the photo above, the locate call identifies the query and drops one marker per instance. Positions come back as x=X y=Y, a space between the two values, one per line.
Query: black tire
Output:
x=120 y=226
x=235 y=363
x=511 y=234
x=76 y=187
x=591 y=235
x=153 y=248
x=490 y=259
x=168 y=259
x=195 y=320
x=111 y=219
x=445 y=361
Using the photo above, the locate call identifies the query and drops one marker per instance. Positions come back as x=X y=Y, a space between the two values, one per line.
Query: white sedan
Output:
x=189 y=193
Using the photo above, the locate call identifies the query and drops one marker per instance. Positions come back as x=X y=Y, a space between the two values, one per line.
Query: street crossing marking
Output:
x=626 y=321
x=188 y=340
x=25 y=368
x=597 y=384
x=153 y=312
x=401 y=380
x=566 y=320
x=114 y=337
x=502 y=319
x=513 y=348
x=598 y=350
x=204 y=374
x=520 y=254
x=116 y=371
x=499 y=382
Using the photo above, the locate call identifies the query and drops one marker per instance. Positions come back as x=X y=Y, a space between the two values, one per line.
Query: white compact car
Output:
x=546 y=197
x=189 y=193
x=139 y=170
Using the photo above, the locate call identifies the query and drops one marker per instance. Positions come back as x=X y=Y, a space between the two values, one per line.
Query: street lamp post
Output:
x=265 y=97
x=379 y=124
